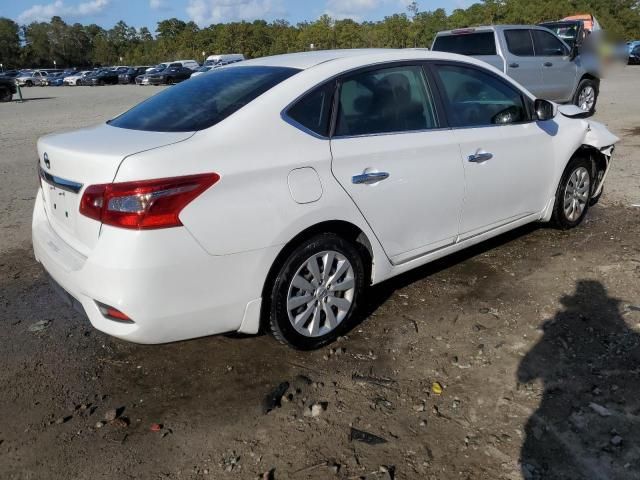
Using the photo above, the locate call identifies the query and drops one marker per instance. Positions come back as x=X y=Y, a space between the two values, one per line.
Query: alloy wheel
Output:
x=321 y=294
x=587 y=98
x=576 y=194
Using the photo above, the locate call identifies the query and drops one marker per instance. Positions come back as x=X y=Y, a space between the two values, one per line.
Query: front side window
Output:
x=547 y=45
x=313 y=111
x=519 y=42
x=385 y=101
x=476 y=98
x=203 y=101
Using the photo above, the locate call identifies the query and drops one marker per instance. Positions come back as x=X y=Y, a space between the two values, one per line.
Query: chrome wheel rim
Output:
x=576 y=194
x=587 y=98
x=321 y=294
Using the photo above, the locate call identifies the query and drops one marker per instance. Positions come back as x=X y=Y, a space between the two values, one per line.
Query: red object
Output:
x=113 y=313
x=144 y=205
x=156 y=427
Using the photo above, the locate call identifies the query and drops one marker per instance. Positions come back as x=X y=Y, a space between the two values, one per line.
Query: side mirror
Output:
x=545 y=110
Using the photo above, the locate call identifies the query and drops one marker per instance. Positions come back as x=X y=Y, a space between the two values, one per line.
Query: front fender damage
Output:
x=602 y=143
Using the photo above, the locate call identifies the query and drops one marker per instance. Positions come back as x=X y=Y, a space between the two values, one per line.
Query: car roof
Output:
x=305 y=60
x=489 y=28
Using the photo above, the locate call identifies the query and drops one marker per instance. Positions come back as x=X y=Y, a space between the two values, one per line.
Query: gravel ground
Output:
x=519 y=358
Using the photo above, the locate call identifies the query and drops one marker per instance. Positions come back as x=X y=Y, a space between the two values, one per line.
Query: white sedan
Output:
x=271 y=193
x=74 y=80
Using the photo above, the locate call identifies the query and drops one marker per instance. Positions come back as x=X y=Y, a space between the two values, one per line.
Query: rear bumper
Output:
x=163 y=280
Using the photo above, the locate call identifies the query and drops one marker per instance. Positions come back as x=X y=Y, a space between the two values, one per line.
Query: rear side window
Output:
x=482 y=43
x=519 y=42
x=388 y=100
x=475 y=98
x=203 y=101
x=313 y=111
x=547 y=45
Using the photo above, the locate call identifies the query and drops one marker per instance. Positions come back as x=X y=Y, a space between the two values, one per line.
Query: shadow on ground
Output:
x=588 y=359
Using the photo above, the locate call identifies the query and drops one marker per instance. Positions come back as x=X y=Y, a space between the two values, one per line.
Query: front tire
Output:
x=316 y=292
x=573 y=196
x=586 y=96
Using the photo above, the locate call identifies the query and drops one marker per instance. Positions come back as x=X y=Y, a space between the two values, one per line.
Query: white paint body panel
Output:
x=207 y=277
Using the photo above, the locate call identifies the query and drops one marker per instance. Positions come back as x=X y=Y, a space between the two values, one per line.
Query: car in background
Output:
x=53 y=80
x=201 y=70
x=10 y=73
x=130 y=75
x=144 y=79
x=532 y=55
x=7 y=88
x=190 y=64
x=223 y=59
x=103 y=77
x=169 y=76
x=632 y=45
x=156 y=250
x=32 y=78
x=76 y=79
x=634 y=56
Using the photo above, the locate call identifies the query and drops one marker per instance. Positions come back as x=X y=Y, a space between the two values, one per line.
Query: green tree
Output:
x=9 y=43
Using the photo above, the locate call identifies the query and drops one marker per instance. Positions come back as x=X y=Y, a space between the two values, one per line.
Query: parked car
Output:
x=169 y=76
x=201 y=70
x=632 y=45
x=144 y=79
x=53 y=80
x=190 y=64
x=634 y=56
x=534 y=56
x=76 y=79
x=10 y=73
x=307 y=200
x=103 y=77
x=130 y=75
x=7 y=88
x=32 y=78
x=223 y=59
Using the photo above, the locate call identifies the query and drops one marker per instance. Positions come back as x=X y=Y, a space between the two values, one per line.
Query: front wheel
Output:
x=574 y=194
x=316 y=292
x=586 y=96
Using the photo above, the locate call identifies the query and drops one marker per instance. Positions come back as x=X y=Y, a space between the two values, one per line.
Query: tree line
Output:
x=39 y=44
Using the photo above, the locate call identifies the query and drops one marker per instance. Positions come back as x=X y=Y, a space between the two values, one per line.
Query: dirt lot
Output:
x=534 y=339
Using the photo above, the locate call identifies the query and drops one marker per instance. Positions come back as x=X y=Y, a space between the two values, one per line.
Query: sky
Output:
x=204 y=12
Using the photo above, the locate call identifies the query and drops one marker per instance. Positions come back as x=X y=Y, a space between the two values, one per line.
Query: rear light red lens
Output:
x=113 y=313
x=144 y=205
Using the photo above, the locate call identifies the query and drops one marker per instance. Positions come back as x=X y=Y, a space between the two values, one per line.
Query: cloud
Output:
x=357 y=9
x=159 y=5
x=205 y=12
x=41 y=13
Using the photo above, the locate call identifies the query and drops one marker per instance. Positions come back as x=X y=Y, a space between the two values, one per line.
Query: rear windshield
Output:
x=481 y=43
x=202 y=101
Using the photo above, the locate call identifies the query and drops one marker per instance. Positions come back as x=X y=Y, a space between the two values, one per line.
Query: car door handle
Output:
x=480 y=157
x=514 y=65
x=369 y=178
x=548 y=64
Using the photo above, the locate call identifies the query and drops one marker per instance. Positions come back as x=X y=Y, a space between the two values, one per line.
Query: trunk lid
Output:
x=70 y=162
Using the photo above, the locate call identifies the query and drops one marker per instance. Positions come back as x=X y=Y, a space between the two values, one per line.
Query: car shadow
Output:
x=588 y=360
x=32 y=99
x=377 y=295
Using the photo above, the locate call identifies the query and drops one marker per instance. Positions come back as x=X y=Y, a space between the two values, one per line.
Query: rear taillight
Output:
x=146 y=204
x=114 y=314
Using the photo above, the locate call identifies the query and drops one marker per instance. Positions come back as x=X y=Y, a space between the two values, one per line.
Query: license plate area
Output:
x=61 y=199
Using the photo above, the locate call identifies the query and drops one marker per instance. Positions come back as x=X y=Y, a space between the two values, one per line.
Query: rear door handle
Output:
x=369 y=178
x=548 y=64
x=480 y=157
x=514 y=65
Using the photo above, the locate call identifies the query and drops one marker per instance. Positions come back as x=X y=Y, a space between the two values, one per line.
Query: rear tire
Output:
x=586 y=96
x=316 y=291
x=573 y=196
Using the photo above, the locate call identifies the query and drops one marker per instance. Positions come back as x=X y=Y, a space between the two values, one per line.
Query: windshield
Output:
x=202 y=101
x=566 y=31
